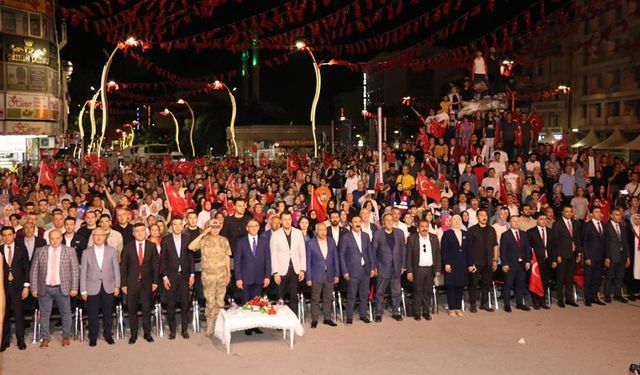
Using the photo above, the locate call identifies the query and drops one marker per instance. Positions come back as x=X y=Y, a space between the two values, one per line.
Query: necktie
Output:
x=617 y=227
x=544 y=242
x=570 y=227
x=140 y=257
x=9 y=261
x=254 y=246
x=518 y=238
x=599 y=229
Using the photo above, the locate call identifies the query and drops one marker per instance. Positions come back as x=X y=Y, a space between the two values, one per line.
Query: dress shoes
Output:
x=93 y=342
x=397 y=318
x=109 y=340
x=587 y=303
x=4 y=347
x=545 y=306
x=536 y=307
x=427 y=316
x=44 y=343
x=486 y=308
x=561 y=304
x=378 y=319
x=507 y=308
x=349 y=321
x=607 y=299
x=473 y=309
x=523 y=307
x=572 y=303
x=172 y=335
x=365 y=320
x=330 y=323
x=248 y=332
x=417 y=317
x=133 y=339
x=597 y=301
x=66 y=341
x=257 y=331
x=148 y=338
x=185 y=335
x=22 y=346
x=314 y=324
x=621 y=299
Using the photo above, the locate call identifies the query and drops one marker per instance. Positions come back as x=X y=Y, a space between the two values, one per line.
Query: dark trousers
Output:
x=613 y=279
x=250 y=290
x=139 y=294
x=515 y=278
x=289 y=283
x=592 y=279
x=454 y=297
x=564 y=279
x=396 y=292
x=178 y=292
x=101 y=302
x=358 y=288
x=509 y=148
x=324 y=290
x=545 y=275
x=14 y=307
x=422 y=289
x=482 y=276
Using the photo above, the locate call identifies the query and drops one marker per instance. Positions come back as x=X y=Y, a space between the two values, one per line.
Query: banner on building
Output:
x=32 y=107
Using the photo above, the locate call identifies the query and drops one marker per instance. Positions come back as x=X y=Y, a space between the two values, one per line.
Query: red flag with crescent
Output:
x=537 y=122
x=264 y=159
x=428 y=188
x=317 y=205
x=185 y=167
x=535 y=281
x=292 y=163
x=46 y=177
x=177 y=204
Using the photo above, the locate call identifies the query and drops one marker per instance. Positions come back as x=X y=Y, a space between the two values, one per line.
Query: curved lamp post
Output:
x=302 y=46
x=193 y=123
x=167 y=112
x=92 y=119
x=130 y=42
x=217 y=85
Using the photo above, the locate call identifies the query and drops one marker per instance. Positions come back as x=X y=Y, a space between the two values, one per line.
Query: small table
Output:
x=241 y=320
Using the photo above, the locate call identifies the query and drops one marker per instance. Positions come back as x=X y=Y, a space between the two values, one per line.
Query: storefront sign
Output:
x=32 y=107
x=29 y=128
x=13 y=144
x=27 y=50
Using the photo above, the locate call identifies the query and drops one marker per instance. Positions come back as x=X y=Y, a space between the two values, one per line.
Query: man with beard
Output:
x=484 y=260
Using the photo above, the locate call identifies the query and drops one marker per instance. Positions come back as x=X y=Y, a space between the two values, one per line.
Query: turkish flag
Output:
x=292 y=163
x=326 y=159
x=15 y=188
x=560 y=148
x=177 y=205
x=185 y=167
x=317 y=205
x=167 y=164
x=200 y=162
x=73 y=170
x=428 y=188
x=423 y=139
x=535 y=281
x=100 y=166
x=46 y=177
x=209 y=193
x=264 y=159
x=537 y=122
x=503 y=193
x=232 y=184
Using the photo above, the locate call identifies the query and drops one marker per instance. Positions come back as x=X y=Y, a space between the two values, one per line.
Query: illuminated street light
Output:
x=218 y=86
x=193 y=122
x=301 y=45
x=167 y=112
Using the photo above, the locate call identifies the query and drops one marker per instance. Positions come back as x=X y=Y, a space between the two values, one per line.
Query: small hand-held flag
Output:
x=46 y=176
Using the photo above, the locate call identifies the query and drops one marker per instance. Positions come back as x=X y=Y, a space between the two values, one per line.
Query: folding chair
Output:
x=195 y=320
x=434 y=302
x=78 y=326
x=119 y=322
x=157 y=315
x=36 y=327
x=337 y=306
x=404 y=302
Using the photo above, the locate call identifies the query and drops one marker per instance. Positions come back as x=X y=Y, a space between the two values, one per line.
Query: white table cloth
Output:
x=240 y=320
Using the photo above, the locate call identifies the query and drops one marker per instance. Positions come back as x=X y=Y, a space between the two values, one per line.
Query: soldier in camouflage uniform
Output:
x=216 y=269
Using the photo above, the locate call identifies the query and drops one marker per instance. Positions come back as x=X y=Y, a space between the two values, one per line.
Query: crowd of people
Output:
x=510 y=214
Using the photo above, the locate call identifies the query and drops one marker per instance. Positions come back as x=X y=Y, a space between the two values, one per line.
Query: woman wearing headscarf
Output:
x=501 y=222
x=456 y=261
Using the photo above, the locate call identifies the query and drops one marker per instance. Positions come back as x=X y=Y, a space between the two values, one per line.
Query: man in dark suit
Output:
x=138 y=272
x=252 y=263
x=356 y=265
x=593 y=238
x=617 y=256
x=178 y=269
x=515 y=254
x=484 y=254
x=389 y=255
x=423 y=264
x=565 y=253
x=323 y=272
x=29 y=240
x=72 y=239
x=16 y=286
x=540 y=242
x=335 y=231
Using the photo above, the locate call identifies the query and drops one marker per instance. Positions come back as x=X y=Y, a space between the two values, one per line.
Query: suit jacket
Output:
x=543 y=253
x=511 y=250
x=350 y=256
x=92 y=277
x=413 y=252
x=248 y=268
x=19 y=265
x=170 y=261
x=594 y=242
x=563 y=241
x=38 y=233
x=458 y=256
x=617 y=248
x=319 y=267
x=69 y=269
x=280 y=252
x=130 y=268
x=342 y=232
x=38 y=242
x=79 y=243
x=389 y=261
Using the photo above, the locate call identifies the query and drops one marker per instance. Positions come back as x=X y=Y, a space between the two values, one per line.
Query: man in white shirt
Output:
x=532 y=164
x=351 y=182
x=491 y=181
x=633 y=187
x=288 y=259
x=423 y=264
x=397 y=223
x=498 y=164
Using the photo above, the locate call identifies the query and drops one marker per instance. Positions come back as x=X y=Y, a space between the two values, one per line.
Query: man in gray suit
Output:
x=617 y=256
x=54 y=277
x=389 y=254
x=99 y=284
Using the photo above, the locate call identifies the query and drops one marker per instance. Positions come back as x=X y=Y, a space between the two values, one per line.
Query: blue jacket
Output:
x=317 y=266
x=350 y=256
x=250 y=269
x=389 y=262
x=510 y=251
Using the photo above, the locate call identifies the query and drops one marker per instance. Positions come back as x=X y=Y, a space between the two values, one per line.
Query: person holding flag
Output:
x=541 y=264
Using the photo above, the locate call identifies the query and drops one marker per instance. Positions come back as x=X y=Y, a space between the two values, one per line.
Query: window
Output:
x=585 y=85
x=554 y=121
x=14 y=21
x=583 y=112
x=35 y=25
x=595 y=111
x=631 y=108
x=615 y=77
x=599 y=80
x=613 y=109
x=540 y=70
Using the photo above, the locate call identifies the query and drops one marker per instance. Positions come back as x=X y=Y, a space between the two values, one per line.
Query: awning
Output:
x=633 y=145
x=589 y=141
x=616 y=139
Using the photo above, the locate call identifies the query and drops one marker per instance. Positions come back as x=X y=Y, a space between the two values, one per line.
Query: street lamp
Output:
x=566 y=89
x=130 y=42
x=167 y=112
x=193 y=123
x=301 y=45
x=218 y=86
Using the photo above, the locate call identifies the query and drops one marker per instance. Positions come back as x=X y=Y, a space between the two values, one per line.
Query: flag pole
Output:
x=379 y=123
